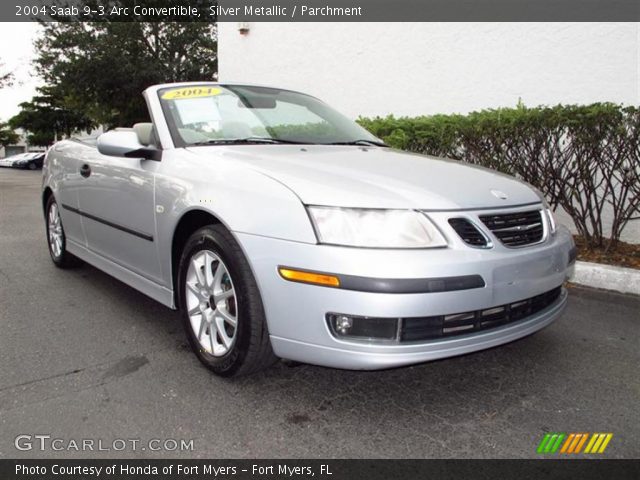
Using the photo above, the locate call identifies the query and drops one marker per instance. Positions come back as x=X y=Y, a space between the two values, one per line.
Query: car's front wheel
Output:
x=221 y=306
x=56 y=239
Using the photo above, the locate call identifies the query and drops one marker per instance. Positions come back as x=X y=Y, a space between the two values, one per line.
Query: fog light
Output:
x=343 y=324
x=366 y=328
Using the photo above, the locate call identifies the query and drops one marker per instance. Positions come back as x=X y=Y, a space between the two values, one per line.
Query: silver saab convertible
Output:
x=280 y=228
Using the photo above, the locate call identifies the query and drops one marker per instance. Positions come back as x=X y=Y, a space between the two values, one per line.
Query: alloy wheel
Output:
x=56 y=235
x=211 y=303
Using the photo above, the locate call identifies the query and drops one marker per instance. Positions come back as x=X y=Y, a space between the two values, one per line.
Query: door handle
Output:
x=85 y=170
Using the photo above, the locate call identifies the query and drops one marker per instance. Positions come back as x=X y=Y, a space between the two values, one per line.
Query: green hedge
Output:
x=584 y=158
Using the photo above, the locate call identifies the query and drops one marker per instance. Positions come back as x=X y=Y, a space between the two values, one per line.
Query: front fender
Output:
x=244 y=200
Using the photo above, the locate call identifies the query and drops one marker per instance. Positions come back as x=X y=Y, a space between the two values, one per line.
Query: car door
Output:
x=118 y=212
x=65 y=166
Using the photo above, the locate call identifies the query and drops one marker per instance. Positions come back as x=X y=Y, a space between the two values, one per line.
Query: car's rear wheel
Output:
x=221 y=306
x=56 y=239
x=32 y=166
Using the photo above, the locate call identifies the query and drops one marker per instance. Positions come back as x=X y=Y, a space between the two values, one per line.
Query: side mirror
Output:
x=125 y=144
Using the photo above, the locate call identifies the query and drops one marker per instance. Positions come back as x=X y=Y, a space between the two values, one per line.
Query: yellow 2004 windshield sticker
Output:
x=191 y=92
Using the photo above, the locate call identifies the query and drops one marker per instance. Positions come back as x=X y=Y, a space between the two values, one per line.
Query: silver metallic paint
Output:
x=258 y=192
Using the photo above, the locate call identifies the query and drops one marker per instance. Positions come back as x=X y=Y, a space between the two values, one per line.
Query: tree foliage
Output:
x=102 y=68
x=6 y=78
x=584 y=158
x=45 y=117
x=7 y=135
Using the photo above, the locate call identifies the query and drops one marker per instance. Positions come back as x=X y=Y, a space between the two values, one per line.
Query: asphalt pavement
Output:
x=83 y=356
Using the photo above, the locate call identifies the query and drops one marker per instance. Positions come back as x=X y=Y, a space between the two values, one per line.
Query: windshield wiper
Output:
x=248 y=140
x=360 y=142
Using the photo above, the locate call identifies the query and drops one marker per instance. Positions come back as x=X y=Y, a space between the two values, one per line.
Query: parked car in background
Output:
x=281 y=228
x=30 y=161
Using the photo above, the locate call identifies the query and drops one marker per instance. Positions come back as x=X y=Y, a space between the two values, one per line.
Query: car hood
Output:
x=350 y=176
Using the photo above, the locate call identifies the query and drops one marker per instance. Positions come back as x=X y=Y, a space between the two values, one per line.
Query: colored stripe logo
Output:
x=570 y=443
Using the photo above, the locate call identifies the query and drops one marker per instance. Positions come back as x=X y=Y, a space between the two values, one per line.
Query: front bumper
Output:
x=296 y=312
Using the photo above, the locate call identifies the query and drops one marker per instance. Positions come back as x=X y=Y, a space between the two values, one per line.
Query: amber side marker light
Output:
x=309 y=277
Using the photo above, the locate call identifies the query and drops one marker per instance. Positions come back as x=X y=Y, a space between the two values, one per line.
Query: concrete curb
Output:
x=607 y=277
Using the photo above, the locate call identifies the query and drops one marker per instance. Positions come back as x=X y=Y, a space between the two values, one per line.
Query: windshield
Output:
x=217 y=114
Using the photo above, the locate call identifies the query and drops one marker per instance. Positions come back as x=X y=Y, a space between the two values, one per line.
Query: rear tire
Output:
x=56 y=239
x=221 y=306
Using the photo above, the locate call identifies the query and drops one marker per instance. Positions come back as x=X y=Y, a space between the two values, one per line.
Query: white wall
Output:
x=422 y=68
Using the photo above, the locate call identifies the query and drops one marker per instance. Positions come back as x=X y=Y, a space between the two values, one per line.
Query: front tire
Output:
x=222 y=310
x=56 y=239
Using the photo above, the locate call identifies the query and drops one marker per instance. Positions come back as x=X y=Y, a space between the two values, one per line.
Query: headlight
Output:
x=357 y=227
x=552 y=221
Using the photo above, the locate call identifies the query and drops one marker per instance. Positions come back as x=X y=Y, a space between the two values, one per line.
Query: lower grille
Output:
x=428 y=328
x=516 y=229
